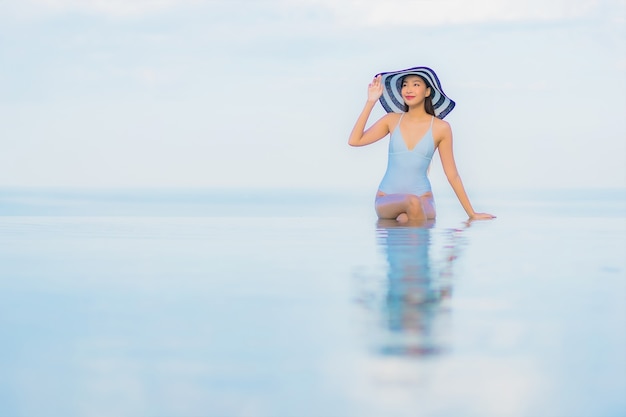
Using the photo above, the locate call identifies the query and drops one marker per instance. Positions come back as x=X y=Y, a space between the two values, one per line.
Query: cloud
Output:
x=113 y=8
x=348 y=12
x=439 y=12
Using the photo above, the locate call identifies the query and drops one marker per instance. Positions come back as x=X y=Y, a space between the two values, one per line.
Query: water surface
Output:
x=161 y=303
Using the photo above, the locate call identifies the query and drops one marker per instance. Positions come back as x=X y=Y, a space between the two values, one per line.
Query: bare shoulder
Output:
x=441 y=130
x=442 y=125
x=392 y=119
x=388 y=122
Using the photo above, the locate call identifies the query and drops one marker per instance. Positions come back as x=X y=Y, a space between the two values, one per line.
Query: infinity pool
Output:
x=172 y=304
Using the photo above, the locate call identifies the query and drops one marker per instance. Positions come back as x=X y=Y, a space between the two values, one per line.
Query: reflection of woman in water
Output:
x=414 y=306
x=416 y=106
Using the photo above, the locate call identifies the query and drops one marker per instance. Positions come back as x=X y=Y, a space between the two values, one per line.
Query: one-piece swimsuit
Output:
x=407 y=169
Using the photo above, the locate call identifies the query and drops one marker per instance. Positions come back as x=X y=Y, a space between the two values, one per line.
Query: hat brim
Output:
x=392 y=101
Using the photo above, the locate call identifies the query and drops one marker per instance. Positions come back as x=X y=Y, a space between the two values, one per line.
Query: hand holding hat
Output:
x=375 y=89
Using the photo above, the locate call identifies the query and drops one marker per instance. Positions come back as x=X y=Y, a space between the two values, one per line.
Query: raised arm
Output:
x=361 y=137
x=452 y=174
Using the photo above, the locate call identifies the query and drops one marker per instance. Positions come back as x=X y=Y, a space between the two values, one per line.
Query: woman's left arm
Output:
x=452 y=174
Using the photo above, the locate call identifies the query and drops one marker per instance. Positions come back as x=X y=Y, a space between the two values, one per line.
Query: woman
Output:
x=416 y=105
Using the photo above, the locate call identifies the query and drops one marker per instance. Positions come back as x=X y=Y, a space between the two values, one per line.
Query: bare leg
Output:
x=405 y=207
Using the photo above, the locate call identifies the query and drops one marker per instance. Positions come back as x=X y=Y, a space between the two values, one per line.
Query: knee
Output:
x=414 y=205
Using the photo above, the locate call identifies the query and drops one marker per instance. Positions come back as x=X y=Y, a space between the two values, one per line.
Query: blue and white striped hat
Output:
x=392 y=101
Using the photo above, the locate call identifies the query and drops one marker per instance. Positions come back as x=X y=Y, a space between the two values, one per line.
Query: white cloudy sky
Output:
x=263 y=93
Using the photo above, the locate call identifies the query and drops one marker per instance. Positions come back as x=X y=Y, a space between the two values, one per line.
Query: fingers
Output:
x=376 y=81
x=375 y=89
x=375 y=85
x=482 y=216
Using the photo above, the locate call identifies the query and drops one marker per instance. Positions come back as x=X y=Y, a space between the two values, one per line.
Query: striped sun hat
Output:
x=391 y=99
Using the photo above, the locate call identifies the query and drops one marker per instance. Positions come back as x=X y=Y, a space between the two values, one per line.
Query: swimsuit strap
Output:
x=398 y=125
x=432 y=119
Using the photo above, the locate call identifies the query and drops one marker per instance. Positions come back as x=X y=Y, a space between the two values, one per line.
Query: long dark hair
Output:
x=428 y=101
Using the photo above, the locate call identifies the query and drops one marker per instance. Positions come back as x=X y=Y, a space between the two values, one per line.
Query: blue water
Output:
x=298 y=304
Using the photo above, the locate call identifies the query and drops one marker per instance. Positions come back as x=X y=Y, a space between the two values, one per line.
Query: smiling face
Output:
x=414 y=90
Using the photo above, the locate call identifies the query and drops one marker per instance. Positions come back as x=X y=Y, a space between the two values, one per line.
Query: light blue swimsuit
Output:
x=407 y=169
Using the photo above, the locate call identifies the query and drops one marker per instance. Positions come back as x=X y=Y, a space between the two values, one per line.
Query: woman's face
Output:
x=414 y=90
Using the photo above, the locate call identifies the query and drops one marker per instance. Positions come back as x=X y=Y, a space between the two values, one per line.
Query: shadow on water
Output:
x=411 y=304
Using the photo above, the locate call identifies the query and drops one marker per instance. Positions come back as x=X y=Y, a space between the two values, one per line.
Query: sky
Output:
x=263 y=93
